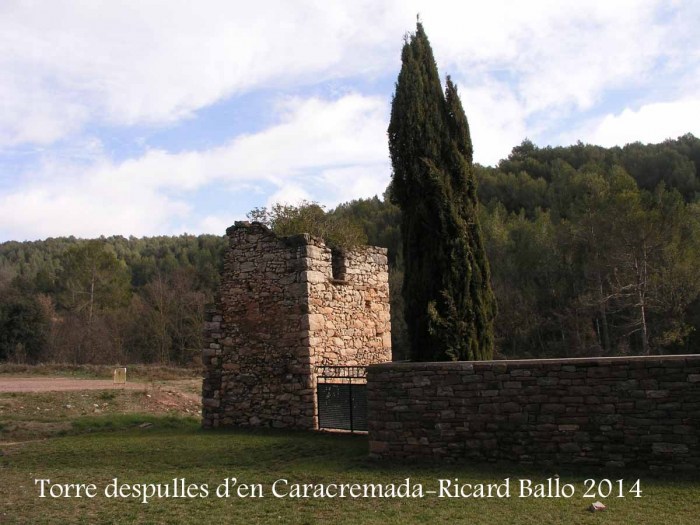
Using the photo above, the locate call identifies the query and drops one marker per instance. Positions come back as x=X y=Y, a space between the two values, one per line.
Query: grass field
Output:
x=168 y=448
x=146 y=438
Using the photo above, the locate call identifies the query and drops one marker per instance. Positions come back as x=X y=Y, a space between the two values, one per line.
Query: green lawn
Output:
x=170 y=449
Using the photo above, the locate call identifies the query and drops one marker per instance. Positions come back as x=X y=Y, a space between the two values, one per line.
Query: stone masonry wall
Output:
x=280 y=313
x=610 y=412
x=349 y=321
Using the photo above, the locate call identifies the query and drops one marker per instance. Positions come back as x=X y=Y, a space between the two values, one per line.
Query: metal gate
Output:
x=342 y=397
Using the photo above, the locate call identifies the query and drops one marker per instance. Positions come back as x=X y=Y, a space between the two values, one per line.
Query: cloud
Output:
x=85 y=209
x=344 y=183
x=289 y=194
x=215 y=224
x=68 y=65
x=73 y=78
x=150 y=194
x=497 y=120
x=313 y=134
x=650 y=123
x=548 y=53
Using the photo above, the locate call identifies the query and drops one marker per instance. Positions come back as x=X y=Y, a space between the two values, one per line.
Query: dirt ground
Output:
x=61 y=384
x=38 y=407
x=153 y=396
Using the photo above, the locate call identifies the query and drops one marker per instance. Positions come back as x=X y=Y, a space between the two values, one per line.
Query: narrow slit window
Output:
x=338 y=264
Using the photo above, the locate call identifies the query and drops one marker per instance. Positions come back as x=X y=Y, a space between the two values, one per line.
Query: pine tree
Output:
x=449 y=305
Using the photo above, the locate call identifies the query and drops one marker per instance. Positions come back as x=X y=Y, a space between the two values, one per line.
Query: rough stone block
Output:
x=669 y=448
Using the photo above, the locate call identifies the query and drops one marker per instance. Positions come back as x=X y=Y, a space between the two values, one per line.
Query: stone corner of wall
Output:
x=378 y=250
x=302 y=239
x=362 y=249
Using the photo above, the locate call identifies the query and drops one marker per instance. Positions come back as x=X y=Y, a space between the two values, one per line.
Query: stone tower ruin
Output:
x=287 y=305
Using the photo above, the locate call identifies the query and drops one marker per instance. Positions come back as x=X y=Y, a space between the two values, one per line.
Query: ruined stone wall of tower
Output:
x=349 y=317
x=285 y=306
x=257 y=367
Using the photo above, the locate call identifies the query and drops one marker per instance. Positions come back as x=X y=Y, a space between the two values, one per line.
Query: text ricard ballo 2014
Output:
x=552 y=487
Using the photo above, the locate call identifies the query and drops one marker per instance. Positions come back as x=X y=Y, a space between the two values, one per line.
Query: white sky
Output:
x=159 y=117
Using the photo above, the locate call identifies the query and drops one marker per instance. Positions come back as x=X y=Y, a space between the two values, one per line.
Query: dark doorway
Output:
x=341 y=393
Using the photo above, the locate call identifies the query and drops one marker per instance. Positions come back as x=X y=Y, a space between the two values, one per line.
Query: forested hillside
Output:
x=593 y=251
x=106 y=300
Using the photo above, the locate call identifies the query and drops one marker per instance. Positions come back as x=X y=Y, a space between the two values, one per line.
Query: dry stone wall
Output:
x=617 y=412
x=283 y=309
x=349 y=320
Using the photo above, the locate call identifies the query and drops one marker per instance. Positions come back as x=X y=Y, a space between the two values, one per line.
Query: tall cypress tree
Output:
x=449 y=305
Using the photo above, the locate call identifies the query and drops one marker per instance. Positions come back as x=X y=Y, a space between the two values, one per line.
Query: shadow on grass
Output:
x=351 y=452
x=168 y=442
x=115 y=422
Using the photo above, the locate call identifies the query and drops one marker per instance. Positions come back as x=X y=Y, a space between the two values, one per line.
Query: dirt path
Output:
x=60 y=384
x=42 y=407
